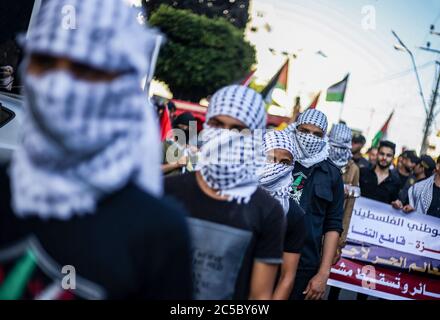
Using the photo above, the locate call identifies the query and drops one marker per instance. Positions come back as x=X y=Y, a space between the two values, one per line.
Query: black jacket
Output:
x=323 y=202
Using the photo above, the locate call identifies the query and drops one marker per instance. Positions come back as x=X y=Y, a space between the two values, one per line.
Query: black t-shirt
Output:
x=228 y=237
x=403 y=178
x=300 y=175
x=387 y=191
x=296 y=231
x=132 y=246
x=434 y=208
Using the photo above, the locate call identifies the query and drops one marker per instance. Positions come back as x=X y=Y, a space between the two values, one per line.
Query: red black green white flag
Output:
x=336 y=92
x=279 y=80
x=381 y=134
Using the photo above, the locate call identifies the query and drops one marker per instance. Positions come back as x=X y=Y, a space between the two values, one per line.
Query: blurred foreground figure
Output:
x=80 y=214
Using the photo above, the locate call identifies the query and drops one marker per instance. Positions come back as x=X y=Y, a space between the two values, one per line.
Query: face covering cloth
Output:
x=229 y=159
x=84 y=140
x=277 y=178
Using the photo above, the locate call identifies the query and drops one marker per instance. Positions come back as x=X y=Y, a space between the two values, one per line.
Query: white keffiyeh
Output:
x=340 y=144
x=277 y=178
x=84 y=140
x=229 y=160
x=420 y=195
x=309 y=149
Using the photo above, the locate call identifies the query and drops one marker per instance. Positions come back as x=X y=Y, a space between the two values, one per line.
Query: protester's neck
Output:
x=403 y=171
x=357 y=156
x=207 y=189
x=420 y=176
x=382 y=171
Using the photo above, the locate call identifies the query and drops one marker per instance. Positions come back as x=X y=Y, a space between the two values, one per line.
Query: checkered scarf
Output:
x=420 y=195
x=340 y=144
x=229 y=160
x=277 y=178
x=83 y=140
x=309 y=149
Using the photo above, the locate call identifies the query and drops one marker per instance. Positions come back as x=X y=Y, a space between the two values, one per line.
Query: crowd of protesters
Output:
x=235 y=212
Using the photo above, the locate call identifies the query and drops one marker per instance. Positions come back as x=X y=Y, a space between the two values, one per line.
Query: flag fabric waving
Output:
x=381 y=134
x=314 y=103
x=165 y=124
x=279 y=80
x=336 y=92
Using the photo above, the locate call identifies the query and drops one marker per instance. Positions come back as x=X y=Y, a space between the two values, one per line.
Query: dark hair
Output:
x=388 y=144
x=371 y=149
x=358 y=138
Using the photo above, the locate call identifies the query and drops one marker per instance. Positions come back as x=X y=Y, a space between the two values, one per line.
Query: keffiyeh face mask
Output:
x=229 y=162
x=277 y=178
x=229 y=159
x=83 y=140
x=340 y=144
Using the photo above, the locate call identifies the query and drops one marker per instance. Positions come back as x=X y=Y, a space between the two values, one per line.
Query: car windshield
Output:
x=14 y=20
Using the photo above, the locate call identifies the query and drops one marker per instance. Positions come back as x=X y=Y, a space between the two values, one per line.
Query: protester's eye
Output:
x=286 y=162
x=82 y=71
x=318 y=134
x=42 y=63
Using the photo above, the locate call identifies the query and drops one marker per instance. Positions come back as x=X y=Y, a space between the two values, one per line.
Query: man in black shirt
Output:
x=423 y=170
x=405 y=167
x=277 y=180
x=237 y=228
x=318 y=189
x=80 y=209
x=424 y=196
x=357 y=143
x=380 y=183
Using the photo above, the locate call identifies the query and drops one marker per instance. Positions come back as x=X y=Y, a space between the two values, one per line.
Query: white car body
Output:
x=10 y=132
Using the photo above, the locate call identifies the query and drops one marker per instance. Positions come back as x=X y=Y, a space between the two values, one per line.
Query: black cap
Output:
x=410 y=154
x=428 y=164
x=358 y=138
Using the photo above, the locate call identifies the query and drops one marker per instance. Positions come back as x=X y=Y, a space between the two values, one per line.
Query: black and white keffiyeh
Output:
x=420 y=195
x=229 y=159
x=340 y=144
x=83 y=140
x=309 y=149
x=277 y=178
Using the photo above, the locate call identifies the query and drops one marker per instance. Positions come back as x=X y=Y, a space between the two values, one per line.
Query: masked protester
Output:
x=276 y=178
x=237 y=228
x=340 y=139
x=318 y=189
x=179 y=150
x=84 y=185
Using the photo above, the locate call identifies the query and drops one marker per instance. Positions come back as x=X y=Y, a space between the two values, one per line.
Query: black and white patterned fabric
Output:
x=420 y=195
x=104 y=34
x=309 y=149
x=340 y=144
x=241 y=103
x=277 y=178
x=83 y=140
x=229 y=159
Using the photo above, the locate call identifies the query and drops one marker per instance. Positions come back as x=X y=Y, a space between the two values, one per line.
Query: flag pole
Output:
x=341 y=109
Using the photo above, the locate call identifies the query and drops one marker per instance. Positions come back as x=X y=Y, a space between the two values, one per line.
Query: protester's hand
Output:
x=408 y=209
x=397 y=204
x=182 y=162
x=316 y=287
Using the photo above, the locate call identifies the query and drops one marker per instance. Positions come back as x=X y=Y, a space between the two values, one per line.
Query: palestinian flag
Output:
x=248 y=80
x=380 y=135
x=279 y=80
x=337 y=91
x=314 y=103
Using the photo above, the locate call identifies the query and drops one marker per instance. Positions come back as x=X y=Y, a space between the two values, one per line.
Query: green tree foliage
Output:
x=200 y=54
x=235 y=11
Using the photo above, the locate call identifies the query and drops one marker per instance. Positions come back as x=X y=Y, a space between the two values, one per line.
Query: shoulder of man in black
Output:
x=331 y=170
